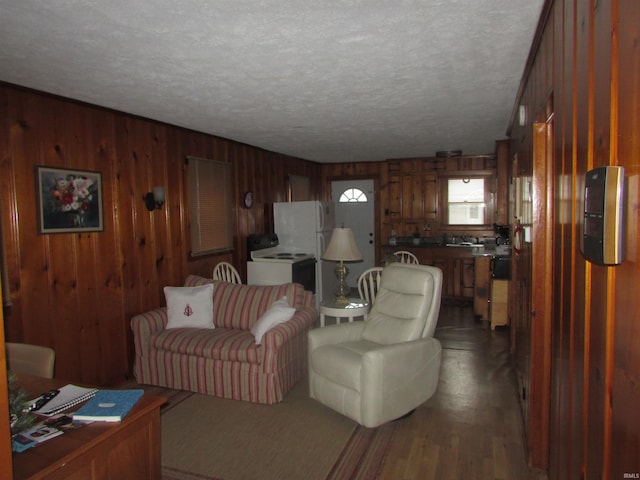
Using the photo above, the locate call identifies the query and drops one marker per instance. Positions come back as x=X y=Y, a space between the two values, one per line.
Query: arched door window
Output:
x=353 y=195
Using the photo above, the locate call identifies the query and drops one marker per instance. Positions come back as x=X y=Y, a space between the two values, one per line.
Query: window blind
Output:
x=210 y=205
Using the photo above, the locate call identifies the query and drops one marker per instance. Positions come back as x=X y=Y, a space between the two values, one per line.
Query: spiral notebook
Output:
x=69 y=396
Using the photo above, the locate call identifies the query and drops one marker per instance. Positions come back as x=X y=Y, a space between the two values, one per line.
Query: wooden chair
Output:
x=30 y=359
x=369 y=283
x=226 y=272
x=406 y=257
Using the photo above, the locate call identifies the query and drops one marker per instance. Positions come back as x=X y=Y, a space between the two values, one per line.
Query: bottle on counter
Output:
x=416 y=237
x=392 y=238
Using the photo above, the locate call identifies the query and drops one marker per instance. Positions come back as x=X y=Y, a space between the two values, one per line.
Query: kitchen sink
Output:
x=465 y=244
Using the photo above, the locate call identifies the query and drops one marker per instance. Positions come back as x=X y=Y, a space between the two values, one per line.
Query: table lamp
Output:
x=342 y=248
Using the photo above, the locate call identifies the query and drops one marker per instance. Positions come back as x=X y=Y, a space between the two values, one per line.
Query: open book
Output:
x=68 y=396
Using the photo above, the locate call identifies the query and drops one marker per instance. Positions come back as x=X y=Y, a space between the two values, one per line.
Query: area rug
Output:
x=209 y=438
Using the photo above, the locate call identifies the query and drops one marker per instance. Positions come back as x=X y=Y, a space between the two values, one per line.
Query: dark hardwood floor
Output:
x=472 y=427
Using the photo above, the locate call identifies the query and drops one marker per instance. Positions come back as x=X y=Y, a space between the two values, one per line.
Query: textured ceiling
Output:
x=324 y=80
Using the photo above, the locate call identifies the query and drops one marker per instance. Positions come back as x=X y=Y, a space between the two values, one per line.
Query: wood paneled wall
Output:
x=77 y=292
x=586 y=66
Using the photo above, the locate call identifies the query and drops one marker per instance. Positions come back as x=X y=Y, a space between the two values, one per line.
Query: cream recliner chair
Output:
x=379 y=370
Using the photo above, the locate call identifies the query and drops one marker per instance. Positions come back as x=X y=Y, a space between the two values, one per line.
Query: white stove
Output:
x=279 y=254
x=271 y=264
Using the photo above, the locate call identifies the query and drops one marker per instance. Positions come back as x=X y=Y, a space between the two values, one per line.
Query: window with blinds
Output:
x=210 y=206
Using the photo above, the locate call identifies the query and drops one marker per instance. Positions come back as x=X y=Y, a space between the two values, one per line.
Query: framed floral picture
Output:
x=68 y=200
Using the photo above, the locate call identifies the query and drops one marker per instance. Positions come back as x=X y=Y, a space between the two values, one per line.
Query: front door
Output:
x=358 y=215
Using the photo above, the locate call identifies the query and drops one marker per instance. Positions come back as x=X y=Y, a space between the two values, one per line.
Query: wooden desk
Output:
x=123 y=450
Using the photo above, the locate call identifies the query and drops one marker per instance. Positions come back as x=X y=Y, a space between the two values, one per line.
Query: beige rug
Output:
x=205 y=438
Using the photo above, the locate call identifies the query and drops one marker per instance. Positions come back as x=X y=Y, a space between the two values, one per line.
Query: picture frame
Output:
x=68 y=201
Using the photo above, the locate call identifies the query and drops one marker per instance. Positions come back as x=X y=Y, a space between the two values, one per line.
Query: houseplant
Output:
x=19 y=419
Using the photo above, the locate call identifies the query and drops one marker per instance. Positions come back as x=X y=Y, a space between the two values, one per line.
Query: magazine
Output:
x=41 y=432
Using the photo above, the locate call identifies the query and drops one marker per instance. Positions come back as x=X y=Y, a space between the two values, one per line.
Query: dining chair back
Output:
x=226 y=272
x=369 y=283
x=30 y=359
x=404 y=256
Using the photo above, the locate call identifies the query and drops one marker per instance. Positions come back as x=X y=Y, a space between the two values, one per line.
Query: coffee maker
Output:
x=501 y=261
x=503 y=234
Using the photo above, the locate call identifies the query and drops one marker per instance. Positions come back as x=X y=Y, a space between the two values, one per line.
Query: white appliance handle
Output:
x=320 y=217
x=322 y=242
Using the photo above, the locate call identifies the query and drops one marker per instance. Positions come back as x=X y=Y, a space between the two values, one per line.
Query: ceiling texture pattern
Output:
x=322 y=80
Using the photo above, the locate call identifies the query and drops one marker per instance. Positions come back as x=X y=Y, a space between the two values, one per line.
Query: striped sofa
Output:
x=225 y=361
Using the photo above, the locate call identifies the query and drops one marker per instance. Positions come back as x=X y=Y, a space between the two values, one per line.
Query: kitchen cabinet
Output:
x=457 y=265
x=395 y=197
x=482 y=287
x=499 y=303
x=413 y=196
x=429 y=196
x=468 y=267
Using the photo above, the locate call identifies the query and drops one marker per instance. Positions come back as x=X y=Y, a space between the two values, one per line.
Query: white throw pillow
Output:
x=190 y=307
x=279 y=312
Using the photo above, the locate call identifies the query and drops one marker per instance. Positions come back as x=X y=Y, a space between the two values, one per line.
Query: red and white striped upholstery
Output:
x=225 y=361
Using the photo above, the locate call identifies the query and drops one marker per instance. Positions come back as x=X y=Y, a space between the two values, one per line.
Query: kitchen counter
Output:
x=457 y=262
x=486 y=251
x=474 y=249
x=429 y=245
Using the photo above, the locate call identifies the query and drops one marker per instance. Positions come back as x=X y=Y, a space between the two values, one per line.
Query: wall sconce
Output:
x=522 y=115
x=154 y=200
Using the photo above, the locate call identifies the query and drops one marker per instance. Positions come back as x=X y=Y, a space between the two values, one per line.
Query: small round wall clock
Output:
x=248 y=199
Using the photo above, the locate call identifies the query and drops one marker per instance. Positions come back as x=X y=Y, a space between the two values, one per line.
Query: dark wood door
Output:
x=532 y=291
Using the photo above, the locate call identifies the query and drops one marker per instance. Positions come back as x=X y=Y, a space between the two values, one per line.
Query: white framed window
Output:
x=466 y=203
x=353 y=195
x=210 y=205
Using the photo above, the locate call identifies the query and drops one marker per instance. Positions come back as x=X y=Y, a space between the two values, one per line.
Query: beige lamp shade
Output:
x=342 y=246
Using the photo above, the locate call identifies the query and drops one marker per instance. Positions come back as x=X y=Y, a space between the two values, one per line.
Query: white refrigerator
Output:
x=307 y=227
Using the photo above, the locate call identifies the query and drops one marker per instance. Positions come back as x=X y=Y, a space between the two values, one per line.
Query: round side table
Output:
x=356 y=307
